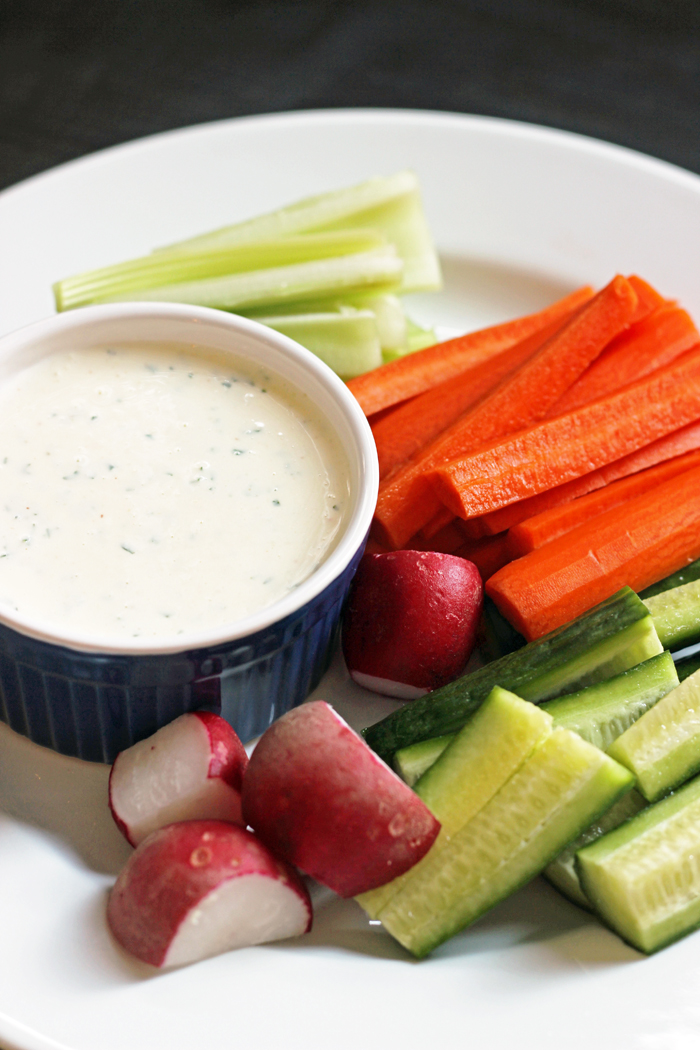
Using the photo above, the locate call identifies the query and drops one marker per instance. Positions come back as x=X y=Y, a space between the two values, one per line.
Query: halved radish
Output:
x=410 y=622
x=203 y=887
x=190 y=769
x=323 y=800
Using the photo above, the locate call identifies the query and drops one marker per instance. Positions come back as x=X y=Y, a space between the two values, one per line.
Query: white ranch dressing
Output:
x=151 y=491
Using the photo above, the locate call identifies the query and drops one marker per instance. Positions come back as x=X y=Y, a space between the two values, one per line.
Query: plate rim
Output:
x=12 y=1029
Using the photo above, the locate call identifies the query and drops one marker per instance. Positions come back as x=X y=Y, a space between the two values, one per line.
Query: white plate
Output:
x=521 y=215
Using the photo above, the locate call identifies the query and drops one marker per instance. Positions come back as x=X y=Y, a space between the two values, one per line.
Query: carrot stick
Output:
x=686 y=439
x=397 y=380
x=446 y=540
x=634 y=544
x=442 y=518
x=564 y=448
x=648 y=299
x=548 y=526
x=489 y=555
x=406 y=503
x=650 y=344
x=404 y=430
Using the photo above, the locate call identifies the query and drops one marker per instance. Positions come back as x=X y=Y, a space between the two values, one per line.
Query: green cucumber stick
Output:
x=643 y=878
x=662 y=748
x=378 y=270
x=562 y=871
x=608 y=639
x=479 y=760
x=390 y=205
x=561 y=788
x=155 y=271
x=676 y=614
x=599 y=713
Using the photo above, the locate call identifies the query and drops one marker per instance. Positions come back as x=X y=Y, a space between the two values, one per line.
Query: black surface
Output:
x=76 y=76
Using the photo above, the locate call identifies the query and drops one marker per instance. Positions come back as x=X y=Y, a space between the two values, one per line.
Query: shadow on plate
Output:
x=569 y=938
x=64 y=796
x=478 y=292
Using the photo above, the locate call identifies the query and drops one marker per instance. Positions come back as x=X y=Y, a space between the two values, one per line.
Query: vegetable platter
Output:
x=521 y=216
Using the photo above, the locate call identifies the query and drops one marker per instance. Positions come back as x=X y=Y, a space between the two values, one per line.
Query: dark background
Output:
x=79 y=75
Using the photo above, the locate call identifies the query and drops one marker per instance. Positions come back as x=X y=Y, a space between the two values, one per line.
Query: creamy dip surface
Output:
x=152 y=491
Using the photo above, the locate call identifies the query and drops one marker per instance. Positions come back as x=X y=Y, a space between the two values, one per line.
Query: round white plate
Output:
x=521 y=215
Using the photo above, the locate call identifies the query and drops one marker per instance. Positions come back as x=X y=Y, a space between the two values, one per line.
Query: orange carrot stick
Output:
x=686 y=439
x=648 y=299
x=564 y=448
x=406 y=502
x=404 y=430
x=397 y=380
x=489 y=555
x=633 y=544
x=650 y=344
x=548 y=526
x=442 y=518
x=446 y=540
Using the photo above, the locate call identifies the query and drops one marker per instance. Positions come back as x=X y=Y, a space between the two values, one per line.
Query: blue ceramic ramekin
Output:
x=91 y=697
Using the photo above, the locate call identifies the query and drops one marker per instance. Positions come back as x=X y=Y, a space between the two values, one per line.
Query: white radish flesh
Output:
x=191 y=769
x=199 y=888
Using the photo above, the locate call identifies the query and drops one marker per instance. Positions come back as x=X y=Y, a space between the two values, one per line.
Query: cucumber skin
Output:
x=619 y=836
x=412 y=763
x=676 y=766
x=616 y=792
x=447 y=709
x=422 y=755
x=688 y=574
x=689 y=666
x=639 y=688
x=561 y=873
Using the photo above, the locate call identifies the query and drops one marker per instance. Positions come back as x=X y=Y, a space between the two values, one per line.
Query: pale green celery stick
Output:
x=391 y=322
x=417 y=338
x=390 y=205
x=154 y=271
x=379 y=270
x=348 y=342
x=387 y=309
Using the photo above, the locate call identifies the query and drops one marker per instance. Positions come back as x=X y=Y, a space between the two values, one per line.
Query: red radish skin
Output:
x=318 y=796
x=411 y=619
x=203 y=887
x=190 y=769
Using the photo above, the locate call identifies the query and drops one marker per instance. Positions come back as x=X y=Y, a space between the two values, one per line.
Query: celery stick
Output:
x=417 y=338
x=379 y=269
x=387 y=309
x=154 y=271
x=391 y=322
x=347 y=341
x=389 y=205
